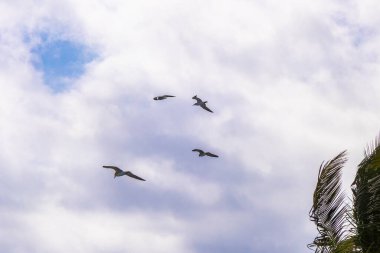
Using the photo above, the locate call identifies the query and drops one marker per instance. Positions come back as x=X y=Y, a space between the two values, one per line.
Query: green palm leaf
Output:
x=366 y=199
x=329 y=210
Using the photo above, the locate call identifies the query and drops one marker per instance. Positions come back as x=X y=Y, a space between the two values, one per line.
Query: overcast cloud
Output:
x=291 y=83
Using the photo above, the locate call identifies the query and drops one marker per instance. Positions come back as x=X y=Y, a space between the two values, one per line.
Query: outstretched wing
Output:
x=198 y=99
x=128 y=173
x=206 y=108
x=116 y=169
x=201 y=152
x=163 y=97
x=211 y=154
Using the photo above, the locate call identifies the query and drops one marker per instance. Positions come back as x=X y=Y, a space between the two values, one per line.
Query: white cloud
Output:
x=54 y=228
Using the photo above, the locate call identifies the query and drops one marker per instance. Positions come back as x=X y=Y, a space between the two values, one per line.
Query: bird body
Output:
x=201 y=103
x=202 y=153
x=163 y=97
x=119 y=172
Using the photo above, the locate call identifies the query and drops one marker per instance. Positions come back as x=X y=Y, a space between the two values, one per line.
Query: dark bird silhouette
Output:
x=163 y=97
x=202 y=153
x=201 y=103
x=119 y=172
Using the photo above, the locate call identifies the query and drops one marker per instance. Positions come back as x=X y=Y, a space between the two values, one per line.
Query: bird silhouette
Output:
x=202 y=153
x=201 y=103
x=119 y=172
x=163 y=97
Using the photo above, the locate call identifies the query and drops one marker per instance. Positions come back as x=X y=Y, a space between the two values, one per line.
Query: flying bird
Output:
x=163 y=97
x=202 y=153
x=201 y=103
x=119 y=172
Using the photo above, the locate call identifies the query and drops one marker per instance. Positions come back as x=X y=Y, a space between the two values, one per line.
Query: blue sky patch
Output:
x=61 y=61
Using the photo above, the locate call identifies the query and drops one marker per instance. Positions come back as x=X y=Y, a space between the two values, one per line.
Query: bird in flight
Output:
x=163 y=97
x=201 y=103
x=202 y=153
x=119 y=172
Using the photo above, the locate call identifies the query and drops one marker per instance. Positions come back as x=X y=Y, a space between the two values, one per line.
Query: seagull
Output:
x=119 y=172
x=202 y=153
x=201 y=103
x=163 y=97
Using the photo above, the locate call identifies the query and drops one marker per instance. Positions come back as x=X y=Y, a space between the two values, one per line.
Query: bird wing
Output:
x=198 y=150
x=198 y=99
x=211 y=154
x=168 y=96
x=206 y=108
x=128 y=173
x=116 y=169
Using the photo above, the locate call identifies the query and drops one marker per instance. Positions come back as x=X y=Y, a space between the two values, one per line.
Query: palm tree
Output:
x=351 y=226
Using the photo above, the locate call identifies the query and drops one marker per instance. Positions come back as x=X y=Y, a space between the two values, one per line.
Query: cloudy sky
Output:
x=291 y=83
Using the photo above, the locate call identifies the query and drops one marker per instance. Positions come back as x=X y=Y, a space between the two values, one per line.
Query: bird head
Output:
x=195 y=97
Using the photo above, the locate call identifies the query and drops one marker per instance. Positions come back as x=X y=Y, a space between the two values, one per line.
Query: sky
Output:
x=292 y=84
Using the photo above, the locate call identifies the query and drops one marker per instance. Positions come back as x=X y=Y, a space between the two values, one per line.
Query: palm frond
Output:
x=348 y=245
x=366 y=199
x=329 y=210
